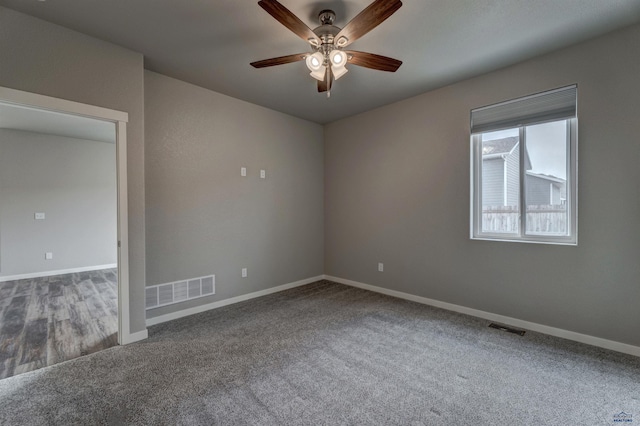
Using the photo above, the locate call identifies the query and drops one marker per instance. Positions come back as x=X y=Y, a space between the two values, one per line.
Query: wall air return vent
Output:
x=179 y=291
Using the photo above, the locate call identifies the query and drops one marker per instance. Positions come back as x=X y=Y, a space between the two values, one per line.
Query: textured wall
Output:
x=203 y=217
x=44 y=58
x=73 y=182
x=397 y=191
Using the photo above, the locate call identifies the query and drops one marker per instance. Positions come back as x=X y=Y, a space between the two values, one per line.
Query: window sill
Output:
x=568 y=242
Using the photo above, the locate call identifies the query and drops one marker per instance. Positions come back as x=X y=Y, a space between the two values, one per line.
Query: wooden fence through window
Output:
x=541 y=219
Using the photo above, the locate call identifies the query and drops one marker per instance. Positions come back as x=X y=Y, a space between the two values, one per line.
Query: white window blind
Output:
x=558 y=104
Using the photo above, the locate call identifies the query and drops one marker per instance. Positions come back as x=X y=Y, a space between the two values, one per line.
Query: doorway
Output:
x=63 y=230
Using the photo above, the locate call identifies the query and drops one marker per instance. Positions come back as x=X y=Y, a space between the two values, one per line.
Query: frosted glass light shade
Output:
x=338 y=71
x=338 y=58
x=319 y=74
x=315 y=61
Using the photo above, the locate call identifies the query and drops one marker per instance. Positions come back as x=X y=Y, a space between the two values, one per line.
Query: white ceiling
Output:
x=210 y=43
x=17 y=117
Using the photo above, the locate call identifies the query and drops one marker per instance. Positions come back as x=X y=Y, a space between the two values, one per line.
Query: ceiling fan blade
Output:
x=325 y=85
x=373 y=61
x=372 y=16
x=280 y=60
x=289 y=20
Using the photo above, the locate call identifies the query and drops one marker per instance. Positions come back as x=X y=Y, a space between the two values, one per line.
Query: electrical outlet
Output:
x=48 y=255
x=244 y=272
x=380 y=267
x=263 y=174
x=243 y=171
x=38 y=216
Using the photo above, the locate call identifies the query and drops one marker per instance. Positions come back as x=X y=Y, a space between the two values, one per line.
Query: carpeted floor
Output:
x=328 y=354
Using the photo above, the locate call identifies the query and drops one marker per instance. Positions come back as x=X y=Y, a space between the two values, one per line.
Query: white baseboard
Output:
x=57 y=272
x=197 y=309
x=552 y=331
x=125 y=339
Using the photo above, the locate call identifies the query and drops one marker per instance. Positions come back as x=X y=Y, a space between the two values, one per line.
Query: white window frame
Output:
x=476 y=232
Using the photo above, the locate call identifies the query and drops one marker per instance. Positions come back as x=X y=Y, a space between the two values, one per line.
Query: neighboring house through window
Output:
x=500 y=175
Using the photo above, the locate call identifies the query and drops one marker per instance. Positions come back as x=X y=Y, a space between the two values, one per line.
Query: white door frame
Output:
x=120 y=120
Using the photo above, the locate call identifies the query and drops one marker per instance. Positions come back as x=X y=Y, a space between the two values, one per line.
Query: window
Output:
x=524 y=169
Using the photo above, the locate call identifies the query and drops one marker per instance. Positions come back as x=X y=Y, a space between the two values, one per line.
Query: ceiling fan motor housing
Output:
x=326 y=32
x=326 y=16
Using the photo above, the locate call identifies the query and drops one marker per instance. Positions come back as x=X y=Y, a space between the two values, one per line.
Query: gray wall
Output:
x=203 y=217
x=73 y=182
x=40 y=57
x=397 y=191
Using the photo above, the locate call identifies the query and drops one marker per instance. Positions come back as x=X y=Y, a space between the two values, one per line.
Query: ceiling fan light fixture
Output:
x=315 y=61
x=338 y=58
x=338 y=72
x=319 y=73
x=338 y=61
x=327 y=61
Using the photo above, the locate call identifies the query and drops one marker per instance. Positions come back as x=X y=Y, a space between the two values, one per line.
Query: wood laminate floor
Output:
x=48 y=320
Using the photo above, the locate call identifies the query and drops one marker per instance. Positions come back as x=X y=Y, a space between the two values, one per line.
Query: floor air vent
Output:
x=179 y=291
x=508 y=329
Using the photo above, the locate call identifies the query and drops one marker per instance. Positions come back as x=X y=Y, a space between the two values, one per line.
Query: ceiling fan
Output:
x=328 y=58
